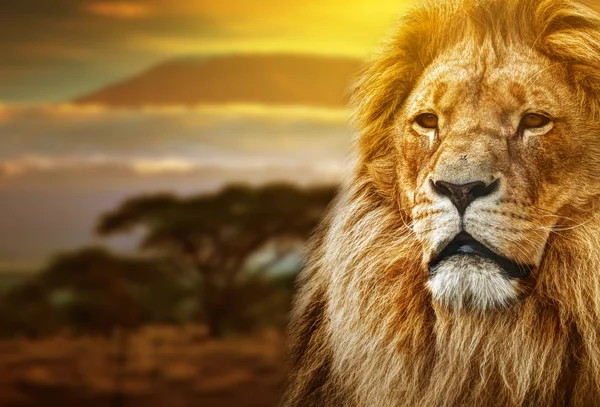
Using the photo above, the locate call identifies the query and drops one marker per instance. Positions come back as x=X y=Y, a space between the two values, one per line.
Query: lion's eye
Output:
x=533 y=121
x=427 y=120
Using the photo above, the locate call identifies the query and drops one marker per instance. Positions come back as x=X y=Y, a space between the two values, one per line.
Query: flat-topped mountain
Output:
x=269 y=79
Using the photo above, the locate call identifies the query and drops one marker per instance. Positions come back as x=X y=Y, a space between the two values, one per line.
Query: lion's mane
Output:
x=364 y=331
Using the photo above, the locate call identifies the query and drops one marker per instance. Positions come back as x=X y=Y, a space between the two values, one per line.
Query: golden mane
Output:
x=364 y=331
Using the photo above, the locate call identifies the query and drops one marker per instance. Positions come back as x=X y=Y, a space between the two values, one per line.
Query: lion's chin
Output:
x=471 y=281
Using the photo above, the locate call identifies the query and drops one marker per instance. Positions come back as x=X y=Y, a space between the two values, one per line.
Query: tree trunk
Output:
x=213 y=310
x=214 y=323
x=121 y=361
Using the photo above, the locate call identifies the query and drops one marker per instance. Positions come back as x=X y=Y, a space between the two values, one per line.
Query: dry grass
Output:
x=174 y=366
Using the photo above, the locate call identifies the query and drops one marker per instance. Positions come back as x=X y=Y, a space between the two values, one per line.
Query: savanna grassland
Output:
x=163 y=366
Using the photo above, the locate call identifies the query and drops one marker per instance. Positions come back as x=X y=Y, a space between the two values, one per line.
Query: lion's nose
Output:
x=462 y=195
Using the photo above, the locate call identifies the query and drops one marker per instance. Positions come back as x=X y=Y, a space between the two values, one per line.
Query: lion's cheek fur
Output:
x=379 y=306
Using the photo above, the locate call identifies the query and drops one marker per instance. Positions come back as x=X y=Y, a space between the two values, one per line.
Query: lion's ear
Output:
x=382 y=172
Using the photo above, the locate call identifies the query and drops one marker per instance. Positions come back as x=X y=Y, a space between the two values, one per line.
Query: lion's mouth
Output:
x=465 y=244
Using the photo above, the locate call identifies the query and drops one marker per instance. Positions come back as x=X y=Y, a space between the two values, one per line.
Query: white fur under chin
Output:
x=463 y=281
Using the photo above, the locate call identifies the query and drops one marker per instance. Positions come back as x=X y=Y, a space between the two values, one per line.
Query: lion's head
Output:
x=495 y=143
x=460 y=264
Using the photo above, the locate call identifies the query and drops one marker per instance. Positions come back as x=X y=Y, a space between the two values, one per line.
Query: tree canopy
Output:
x=92 y=290
x=200 y=268
x=217 y=233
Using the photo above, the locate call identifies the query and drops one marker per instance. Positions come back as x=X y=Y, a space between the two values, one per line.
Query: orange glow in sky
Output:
x=57 y=50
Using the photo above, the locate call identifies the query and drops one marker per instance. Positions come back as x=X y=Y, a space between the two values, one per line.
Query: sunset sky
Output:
x=55 y=50
x=63 y=164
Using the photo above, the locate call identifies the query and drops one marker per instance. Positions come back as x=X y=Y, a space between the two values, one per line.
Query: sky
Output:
x=63 y=165
x=54 y=50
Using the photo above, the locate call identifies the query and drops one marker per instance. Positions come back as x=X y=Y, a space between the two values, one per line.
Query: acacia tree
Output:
x=94 y=291
x=215 y=234
x=106 y=291
x=109 y=294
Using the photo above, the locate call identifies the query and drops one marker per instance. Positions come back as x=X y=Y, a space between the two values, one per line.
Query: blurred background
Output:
x=161 y=164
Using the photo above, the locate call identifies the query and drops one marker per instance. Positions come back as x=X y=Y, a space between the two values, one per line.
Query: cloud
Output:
x=22 y=169
x=212 y=144
x=233 y=133
x=167 y=165
x=22 y=165
x=120 y=10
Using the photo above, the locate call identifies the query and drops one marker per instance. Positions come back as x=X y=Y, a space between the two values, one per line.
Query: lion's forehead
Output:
x=455 y=83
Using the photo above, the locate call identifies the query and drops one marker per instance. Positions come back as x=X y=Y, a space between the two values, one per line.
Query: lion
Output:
x=460 y=263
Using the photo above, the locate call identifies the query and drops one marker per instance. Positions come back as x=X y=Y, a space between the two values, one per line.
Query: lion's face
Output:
x=491 y=157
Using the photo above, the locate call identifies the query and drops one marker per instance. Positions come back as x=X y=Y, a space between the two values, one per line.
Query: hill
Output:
x=270 y=79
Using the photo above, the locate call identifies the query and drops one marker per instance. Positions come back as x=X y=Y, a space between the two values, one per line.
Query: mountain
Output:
x=271 y=79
